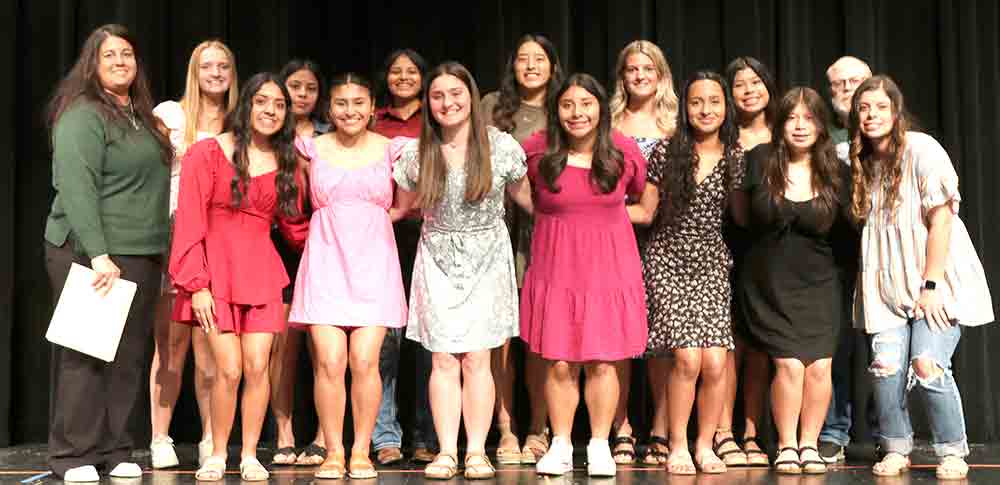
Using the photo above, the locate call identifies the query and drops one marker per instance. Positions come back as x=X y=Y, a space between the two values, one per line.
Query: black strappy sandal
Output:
x=623 y=449
x=735 y=450
x=812 y=467
x=788 y=467
x=653 y=456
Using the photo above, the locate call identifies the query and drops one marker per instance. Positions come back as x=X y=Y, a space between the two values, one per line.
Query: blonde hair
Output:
x=191 y=101
x=665 y=98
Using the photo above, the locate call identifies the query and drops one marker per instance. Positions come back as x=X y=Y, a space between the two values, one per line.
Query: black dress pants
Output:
x=91 y=400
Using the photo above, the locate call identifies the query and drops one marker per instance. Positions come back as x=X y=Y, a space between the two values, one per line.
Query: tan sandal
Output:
x=252 y=471
x=756 y=456
x=361 y=468
x=679 y=462
x=535 y=447
x=478 y=467
x=212 y=470
x=891 y=465
x=444 y=467
x=332 y=468
x=709 y=463
x=952 y=467
x=508 y=450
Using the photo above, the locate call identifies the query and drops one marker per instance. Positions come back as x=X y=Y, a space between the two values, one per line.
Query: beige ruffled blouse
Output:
x=894 y=250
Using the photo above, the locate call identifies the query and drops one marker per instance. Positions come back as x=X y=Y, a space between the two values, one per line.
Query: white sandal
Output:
x=252 y=471
x=213 y=470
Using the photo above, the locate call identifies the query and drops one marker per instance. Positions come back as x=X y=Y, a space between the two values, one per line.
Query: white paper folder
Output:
x=87 y=322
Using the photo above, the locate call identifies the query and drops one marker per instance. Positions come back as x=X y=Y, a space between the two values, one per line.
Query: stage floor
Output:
x=20 y=464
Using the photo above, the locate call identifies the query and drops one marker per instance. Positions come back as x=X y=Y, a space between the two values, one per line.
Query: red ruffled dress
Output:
x=229 y=250
x=583 y=297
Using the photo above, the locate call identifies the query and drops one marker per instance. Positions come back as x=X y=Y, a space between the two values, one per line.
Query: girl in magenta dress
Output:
x=583 y=305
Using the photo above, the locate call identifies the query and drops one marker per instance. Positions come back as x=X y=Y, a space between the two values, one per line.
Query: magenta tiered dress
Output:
x=349 y=275
x=583 y=297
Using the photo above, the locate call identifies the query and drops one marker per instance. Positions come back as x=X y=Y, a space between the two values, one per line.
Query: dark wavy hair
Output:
x=741 y=63
x=864 y=169
x=293 y=66
x=346 y=78
x=608 y=162
x=432 y=180
x=509 y=97
x=678 y=182
x=83 y=83
x=382 y=93
x=825 y=165
x=239 y=122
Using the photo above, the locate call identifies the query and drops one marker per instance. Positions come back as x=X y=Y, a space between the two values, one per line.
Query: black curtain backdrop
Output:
x=944 y=54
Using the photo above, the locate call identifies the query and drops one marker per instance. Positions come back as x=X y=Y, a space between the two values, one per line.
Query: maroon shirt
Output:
x=390 y=125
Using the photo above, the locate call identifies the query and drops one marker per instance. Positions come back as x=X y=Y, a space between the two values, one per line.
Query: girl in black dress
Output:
x=790 y=286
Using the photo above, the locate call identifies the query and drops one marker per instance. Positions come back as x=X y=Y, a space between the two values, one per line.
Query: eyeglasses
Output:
x=839 y=84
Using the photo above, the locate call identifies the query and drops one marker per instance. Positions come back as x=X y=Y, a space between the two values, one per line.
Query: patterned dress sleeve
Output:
x=188 y=265
x=740 y=160
x=936 y=177
x=509 y=158
x=406 y=170
x=657 y=163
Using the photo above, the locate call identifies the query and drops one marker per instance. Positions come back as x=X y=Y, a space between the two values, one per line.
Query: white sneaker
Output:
x=600 y=463
x=162 y=453
x=81 y=474
x=126 y=470
x=558 y=460
x=204 y=450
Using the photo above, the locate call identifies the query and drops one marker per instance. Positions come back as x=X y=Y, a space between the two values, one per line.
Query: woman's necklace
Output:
x=130 y=114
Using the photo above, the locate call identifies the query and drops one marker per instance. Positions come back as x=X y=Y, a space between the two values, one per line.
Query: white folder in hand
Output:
x=87 y=322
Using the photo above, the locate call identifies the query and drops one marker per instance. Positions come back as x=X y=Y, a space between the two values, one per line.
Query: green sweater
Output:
x=112 y=186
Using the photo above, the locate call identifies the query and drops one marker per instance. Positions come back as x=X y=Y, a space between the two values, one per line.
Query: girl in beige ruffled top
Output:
x=920 y=277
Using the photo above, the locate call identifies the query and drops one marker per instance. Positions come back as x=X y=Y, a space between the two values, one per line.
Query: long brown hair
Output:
x=82 y=83
x=678 y=182
x=608 y=162
x=865 y=171
x=238 y=121
x=191 y=100
x=825 y=166
x=433 y=177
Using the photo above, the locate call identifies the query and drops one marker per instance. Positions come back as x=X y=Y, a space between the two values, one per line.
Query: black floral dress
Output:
x=687 y=265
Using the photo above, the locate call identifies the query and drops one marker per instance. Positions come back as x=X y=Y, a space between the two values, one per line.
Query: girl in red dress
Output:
x=227 y=272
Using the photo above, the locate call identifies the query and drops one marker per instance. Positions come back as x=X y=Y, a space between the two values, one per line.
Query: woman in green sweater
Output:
x=111 y=174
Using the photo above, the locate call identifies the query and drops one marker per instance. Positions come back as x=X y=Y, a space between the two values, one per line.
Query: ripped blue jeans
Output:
x=893 y=353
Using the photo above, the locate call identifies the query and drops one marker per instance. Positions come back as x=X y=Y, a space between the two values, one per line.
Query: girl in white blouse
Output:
x=920 y=278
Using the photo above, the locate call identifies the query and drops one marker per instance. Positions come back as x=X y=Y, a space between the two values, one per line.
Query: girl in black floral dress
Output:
x=687 y=264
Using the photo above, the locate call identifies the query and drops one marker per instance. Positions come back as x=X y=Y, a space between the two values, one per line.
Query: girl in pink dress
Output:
x=349 y=287
x=583 y=304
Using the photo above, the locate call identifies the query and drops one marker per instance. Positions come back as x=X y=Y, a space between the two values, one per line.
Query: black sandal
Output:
x=717 y=449
x=653 y=455
x=752 y=453
x=814 y=467
x=778 y=464
x=287 y=451
x=618 y=449
x=310 y=454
